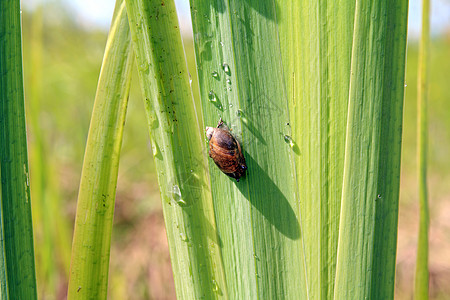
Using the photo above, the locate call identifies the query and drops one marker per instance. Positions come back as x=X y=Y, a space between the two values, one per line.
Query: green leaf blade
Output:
x=95 y=207
x=421 y=282
x=178 y=150
x=368 y=228
x=316 y=42
x=17 y=266
x=258 y=217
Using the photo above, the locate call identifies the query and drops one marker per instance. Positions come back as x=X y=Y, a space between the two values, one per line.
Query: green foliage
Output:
x=177 y=150
x=17 y=271
x=69 y=74
x=241 y=80
x=368 y=226
x=290 y=70
x=421 y=275
x=93 y=225
x=316 y=47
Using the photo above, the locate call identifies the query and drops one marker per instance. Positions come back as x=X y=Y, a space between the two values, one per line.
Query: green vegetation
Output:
x=139 y=265
x=370 y=195
x=89 y=268
x=177 y=149
x=258 y=218
x=17 y=270
x=422 y=272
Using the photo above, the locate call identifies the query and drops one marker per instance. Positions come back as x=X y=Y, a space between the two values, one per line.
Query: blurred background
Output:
x=63 y=45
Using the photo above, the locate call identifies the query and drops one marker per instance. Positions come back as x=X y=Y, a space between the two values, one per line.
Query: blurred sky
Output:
x=98 y=13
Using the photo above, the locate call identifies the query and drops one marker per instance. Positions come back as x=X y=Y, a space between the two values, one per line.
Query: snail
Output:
x=225 y=151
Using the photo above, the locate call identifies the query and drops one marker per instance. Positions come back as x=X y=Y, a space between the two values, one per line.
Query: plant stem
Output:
x=421 y=276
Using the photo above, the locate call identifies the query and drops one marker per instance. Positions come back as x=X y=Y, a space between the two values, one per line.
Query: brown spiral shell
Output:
x=226 y=152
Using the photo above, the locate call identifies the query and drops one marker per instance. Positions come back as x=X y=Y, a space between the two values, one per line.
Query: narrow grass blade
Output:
x=316 y=42
x=368 y=224
x=178 y=150
x=95 y=208
x=421 y=276
x=3 y=276
x=239 y=64
x=17 y=264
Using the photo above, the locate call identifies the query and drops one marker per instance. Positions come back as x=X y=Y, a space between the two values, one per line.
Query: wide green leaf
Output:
x=316 y=42
x=241 y=78
x=368 y=226
x=95 y=207
x=279 y=75
x=17 y=269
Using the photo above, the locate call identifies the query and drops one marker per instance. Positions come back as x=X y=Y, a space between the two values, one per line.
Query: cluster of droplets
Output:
x=226 y=68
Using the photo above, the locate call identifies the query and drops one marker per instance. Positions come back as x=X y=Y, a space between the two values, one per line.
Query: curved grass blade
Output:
x=178 y=151
x=17 y=267
x=241 y=80
x=422 y=275
x=368 y=225
x=95 y=207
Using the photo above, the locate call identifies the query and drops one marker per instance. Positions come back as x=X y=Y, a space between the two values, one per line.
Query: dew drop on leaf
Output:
x=226 y=68
x=289 y=140
x=212 y=96
x=176 y=195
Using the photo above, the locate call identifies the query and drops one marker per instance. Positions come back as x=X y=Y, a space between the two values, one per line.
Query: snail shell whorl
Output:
x=225 y=150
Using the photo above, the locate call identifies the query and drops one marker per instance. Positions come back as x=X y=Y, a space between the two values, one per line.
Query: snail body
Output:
x=226 y=152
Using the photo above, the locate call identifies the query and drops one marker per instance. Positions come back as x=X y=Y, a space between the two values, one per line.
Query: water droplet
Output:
x=221 y=44
x=226 y=68
x=230 y=89
x=240 y=114
x=215 y=286
x=229 y=81
x=143 y=67
x=183 y=237
x=190 y=78
x=215 y=75
x=406 y=85
x=176 y=195
x=289 y=140
x=212 y=96
x=231 y=105
x=155 y=148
